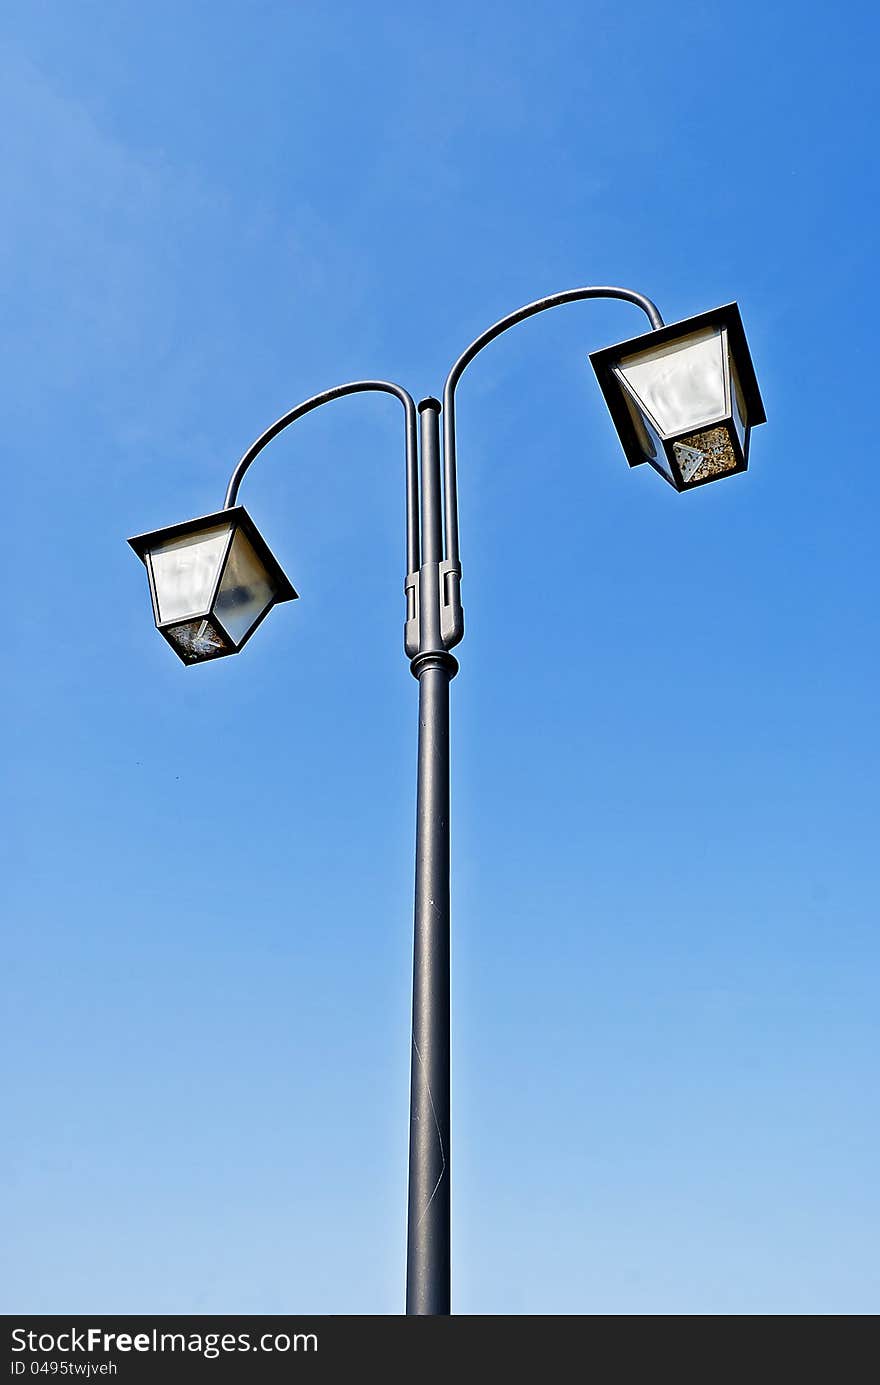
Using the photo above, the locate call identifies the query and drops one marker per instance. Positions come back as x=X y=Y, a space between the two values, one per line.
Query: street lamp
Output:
x=684 y=398
x=213 y=581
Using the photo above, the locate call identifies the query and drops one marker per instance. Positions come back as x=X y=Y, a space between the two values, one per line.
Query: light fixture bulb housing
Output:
x=685 y=397
x=212 y=581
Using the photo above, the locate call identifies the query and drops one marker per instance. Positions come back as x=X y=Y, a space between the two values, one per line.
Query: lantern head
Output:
x=684 y=398
x=212 y=580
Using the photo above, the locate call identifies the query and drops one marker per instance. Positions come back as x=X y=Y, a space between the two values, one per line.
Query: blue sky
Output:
x=665 y=731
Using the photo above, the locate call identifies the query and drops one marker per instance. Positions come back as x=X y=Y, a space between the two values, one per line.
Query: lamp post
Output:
x=684 y=398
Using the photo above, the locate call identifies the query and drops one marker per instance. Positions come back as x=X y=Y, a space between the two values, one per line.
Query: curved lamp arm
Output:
x=539 y=306
x=338 y=392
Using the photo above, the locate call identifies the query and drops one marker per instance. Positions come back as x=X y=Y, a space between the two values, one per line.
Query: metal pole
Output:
x=428 y=1244
x=540 y=305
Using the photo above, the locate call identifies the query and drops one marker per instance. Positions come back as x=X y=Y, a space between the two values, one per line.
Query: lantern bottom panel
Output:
x=197 y=640
x=703 y=455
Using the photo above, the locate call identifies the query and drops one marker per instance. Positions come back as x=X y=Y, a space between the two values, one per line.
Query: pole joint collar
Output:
x=434 y=658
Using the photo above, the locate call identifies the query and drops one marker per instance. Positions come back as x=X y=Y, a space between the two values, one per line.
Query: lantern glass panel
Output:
x=738 y=406
x=681 y=384
x=648 y=440
x=245 y=589
x=185 y=571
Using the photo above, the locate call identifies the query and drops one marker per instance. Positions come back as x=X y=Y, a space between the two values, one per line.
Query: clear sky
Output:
x=665 y=727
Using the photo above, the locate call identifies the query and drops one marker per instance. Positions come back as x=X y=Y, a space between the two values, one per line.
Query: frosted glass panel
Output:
x=245 y=591
x=681 y=384
x=185 y=570
x=738 y=405
x=649 y=442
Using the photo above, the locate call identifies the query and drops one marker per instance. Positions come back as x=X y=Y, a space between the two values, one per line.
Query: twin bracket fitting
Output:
x=451 y=612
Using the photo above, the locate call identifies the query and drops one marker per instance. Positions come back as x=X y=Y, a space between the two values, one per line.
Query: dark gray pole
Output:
x=428 y=1246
